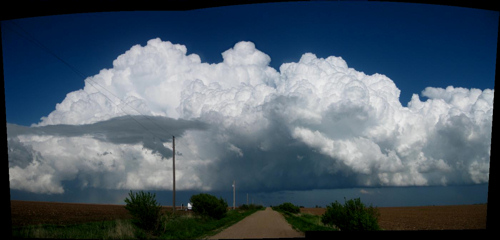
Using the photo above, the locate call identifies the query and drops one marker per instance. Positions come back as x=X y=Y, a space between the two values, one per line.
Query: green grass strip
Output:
x=118 y=229
x=305 y=222
x=196 y=227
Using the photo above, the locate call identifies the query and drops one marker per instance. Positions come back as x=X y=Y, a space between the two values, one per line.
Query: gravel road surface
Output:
x=262 y=224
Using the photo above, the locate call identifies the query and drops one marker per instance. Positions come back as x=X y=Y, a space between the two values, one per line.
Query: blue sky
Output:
x=414 y=45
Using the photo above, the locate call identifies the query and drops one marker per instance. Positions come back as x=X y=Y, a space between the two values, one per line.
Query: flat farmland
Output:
x=31 y=213
x=460 y=217
x=391 y=218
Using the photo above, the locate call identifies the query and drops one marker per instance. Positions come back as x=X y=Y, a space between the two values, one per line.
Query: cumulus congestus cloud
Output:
x=315 y=123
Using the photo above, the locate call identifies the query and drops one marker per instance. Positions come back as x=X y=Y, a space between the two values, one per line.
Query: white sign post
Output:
x=234 y=196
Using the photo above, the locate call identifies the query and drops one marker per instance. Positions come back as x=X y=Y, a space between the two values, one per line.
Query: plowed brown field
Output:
x=29 y=213
x=391 y=218
x=460 y=217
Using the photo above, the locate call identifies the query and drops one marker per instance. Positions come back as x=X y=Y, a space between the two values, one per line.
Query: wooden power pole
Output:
x=173 y=168
x=234 y=199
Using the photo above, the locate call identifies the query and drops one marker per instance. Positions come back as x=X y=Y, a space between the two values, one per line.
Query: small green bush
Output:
x=146 y=212
x=209 y=206
x=352 y=216
x=252 y=206
x=287 y=207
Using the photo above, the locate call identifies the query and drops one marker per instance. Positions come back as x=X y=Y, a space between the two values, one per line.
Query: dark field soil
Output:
x=391 y=218
x=30 y=213
x=460 y=217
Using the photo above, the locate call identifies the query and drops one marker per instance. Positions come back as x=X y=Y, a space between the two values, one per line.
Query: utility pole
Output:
x=247 y=198
x=173 y=168
x=234 y=195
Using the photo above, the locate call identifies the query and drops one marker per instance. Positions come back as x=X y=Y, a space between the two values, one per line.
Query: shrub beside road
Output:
x=287 y=207
x=207 y=205
x=146 y=212
x=352 y=216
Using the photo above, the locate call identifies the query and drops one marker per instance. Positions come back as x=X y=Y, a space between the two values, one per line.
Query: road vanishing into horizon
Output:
x=262 y=224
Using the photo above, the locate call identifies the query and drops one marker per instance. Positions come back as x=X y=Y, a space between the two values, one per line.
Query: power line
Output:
x=39 y=44
x=92 y=82
x=33 y=40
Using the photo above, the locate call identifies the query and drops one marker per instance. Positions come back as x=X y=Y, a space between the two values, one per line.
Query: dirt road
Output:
x=262 y=224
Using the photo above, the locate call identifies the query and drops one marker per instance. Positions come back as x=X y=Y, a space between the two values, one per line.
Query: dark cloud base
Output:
x=379 y=197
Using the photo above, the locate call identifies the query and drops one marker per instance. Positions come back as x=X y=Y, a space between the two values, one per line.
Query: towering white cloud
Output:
x=314 y=124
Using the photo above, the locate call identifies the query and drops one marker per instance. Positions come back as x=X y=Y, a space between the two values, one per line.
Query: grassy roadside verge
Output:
x=305 y=222
x=176 y=227
x=199 y=228
x=117 y=229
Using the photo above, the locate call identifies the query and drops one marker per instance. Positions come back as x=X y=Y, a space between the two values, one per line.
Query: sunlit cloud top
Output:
x=315 y=123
